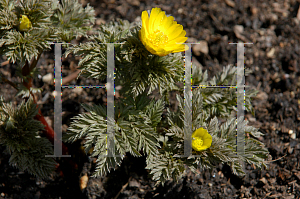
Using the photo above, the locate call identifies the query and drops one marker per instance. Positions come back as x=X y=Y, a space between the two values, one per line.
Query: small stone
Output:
x=274 y=17
x=230 y=3
x=297 y=175
x=271 y=53
x=272 y=180
x=263 y=180
x=138 y=19
x=83 y=182
x=134 y=2
x=119 y=87
x=238 y=29
x=254 y=10
x=293 y=135
x=134 y=183
x=49 y=79
x=202 y=47
x=77 y=90
x=100 y=21
x=298 y=13
x=290 y=150
x=122 y=9
x=262 y=96
x=252 y=119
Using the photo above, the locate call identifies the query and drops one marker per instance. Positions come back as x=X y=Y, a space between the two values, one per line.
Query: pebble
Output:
x=271 y=53
x=264 y=180
x=293 y=135
x=100 y=21
x=230 y=3
x=202 y=47
x=134 y=2
x=238 y=29
x=49 y=79
x=134 y=183
x=77 y=90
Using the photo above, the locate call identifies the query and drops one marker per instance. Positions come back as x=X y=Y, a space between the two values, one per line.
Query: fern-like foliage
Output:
x=139 y=128
x=51 y=21
x=21 y=46
x=223 y=148
x=135 y=130
x=222 y=101
x=70 y=19
x=19 y=132
x=147 y=71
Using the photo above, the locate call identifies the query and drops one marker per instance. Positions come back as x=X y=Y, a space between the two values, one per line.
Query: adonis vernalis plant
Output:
x=148 y=58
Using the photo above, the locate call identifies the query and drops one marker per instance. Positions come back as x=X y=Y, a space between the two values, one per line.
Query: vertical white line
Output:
x=57 y=105
x=110 y=100
x=240 y=138
x=188 y=103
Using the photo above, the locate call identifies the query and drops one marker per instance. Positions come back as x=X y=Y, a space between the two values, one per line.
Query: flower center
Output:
x=198 y=142
x=158 y=38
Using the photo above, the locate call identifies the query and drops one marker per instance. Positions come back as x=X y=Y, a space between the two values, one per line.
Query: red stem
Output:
x=49 y=132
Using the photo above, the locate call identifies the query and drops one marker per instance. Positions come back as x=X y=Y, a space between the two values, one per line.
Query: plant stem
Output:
x=34 y=62
x=49 y=132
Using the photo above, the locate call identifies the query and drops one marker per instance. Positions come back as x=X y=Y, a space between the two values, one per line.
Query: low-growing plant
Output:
x=148 y=58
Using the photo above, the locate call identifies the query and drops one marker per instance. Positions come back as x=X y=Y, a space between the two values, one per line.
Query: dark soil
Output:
x=274 y=29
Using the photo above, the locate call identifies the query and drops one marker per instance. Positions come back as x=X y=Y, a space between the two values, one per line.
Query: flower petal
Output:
x=153 y=15
x=174 y=31
x=179 y=40
x=167 y=23
x=199 y=133
x=158 y=21
x=145 y=21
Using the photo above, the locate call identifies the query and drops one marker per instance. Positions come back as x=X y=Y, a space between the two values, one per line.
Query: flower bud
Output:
x=25 y=23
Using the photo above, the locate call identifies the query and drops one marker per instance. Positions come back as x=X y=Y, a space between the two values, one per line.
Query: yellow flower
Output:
x=160 y=34
x=25 y=23
x=201 y=139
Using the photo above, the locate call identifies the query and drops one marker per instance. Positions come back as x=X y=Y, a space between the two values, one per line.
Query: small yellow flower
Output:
x=201 y=139
x=25 y=23
x=160 y=34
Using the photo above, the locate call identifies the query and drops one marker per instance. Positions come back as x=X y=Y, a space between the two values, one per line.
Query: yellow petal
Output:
x=199 y=132
x=174 y=30
x=168 y=22
x=153 y=16
x=142 y=35
x=179 y=40
x=159 y=19
x=179 y=49
x=170 y=31
x=145 y=21
x=25 y=23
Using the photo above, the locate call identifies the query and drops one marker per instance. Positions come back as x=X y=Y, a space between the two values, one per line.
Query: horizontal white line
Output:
x=233 y=86
x=77 y=44
x=77 y=86
x=240 y=43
